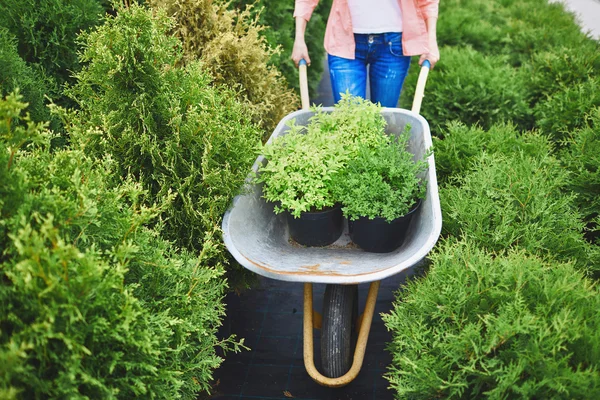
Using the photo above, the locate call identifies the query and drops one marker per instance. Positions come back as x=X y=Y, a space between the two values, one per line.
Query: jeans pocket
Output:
x=395 y=48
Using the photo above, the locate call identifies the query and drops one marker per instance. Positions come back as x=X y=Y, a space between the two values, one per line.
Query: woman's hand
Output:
x=300 y=51
x=433 y=55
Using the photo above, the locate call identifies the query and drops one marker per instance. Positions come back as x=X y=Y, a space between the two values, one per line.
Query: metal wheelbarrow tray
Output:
x=259 y=241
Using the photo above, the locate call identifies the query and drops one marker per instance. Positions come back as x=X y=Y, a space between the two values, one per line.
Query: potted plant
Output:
x=380 y=190
x=301 y=163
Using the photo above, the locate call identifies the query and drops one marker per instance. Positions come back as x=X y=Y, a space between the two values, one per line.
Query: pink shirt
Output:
x=339 y=37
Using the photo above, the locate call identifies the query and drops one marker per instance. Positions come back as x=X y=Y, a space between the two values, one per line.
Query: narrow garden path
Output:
x=269 y=318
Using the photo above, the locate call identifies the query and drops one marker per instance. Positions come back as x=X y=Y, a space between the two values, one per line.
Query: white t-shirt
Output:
x=375 y=16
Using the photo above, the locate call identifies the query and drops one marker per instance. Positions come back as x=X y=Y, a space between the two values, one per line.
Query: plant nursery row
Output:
x=126 y=129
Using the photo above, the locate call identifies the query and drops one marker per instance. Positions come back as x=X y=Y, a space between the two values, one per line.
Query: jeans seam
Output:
x=392 y=51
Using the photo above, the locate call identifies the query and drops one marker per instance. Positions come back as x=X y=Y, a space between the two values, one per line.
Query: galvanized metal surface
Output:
x=259 y=240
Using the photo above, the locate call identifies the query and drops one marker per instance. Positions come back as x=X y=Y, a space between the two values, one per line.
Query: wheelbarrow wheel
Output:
x=338 y=333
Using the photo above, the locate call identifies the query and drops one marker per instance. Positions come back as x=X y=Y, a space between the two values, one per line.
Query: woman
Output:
x=381 y=34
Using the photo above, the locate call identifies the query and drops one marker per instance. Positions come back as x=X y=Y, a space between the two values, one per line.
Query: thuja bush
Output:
x=517 y=29
x=559 y=69
x=46 y=31
x=231 y=47
x=566 y=109
x=473 y=88
x=94 y=303
x=518 y=201
x=463 y=145
x=501 y=326
x=278 y=19
x=15 y=73
x=165 y=124
x=581 y=156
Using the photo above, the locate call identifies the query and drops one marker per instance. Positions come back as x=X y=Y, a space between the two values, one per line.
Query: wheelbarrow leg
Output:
x=361 y=343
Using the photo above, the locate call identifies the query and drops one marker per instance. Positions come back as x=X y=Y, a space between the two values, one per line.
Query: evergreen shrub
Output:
x=516 y=29
x=463 y=145
x=94 y=303
x=231 y=47
x=581 y=157
x=473 y=88
x=46 y=32
x=278 y=19
x=490 y=326
x=561 y=68
x=518 y=201
x=165 y=124
x=15 y=73
x=566 y=109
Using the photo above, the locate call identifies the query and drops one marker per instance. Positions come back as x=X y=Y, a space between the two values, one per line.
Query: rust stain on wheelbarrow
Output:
x=310 y=270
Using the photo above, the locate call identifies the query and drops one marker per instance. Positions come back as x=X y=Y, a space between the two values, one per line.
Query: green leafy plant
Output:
x=381 y=182
x=301 y=164
x=94 y=303
x=497 y=326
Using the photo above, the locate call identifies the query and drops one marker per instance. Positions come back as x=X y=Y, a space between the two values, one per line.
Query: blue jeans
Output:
x=387 y=69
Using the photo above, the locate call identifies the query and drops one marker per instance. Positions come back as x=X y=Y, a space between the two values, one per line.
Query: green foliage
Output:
x=299 y=170
x=566 y=110
x=46 y=31
x=278 y=18
x=230 y=45
x=497 y=327
x=517 y=200
x=463 y=145
x=558 y=69
x=516 y=29
x=582 y=159
x=165 y=124
x=473 y=88
x=94 y=303
x=15 y=73
x=380 y=182
x=302 y=163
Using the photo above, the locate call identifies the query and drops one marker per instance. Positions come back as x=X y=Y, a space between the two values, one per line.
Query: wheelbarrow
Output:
x=259 y=240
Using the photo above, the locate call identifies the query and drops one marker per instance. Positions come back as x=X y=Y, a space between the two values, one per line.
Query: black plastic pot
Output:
x=379 y=236
x=316 y=228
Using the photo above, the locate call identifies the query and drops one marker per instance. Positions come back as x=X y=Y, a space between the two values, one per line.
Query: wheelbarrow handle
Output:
x=303 y=85
x=420 y=90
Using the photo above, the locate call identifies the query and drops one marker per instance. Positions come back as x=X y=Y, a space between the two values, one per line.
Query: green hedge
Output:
x=278 y=17
x=164 y=124
x=94 y=303
x=47 y=32
x=471 y=87
x=581 y=156
x=15 y=73
x=514 y=28
x=231 y=48
x=496 y=326
x=518 y=201
x=463 y=145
